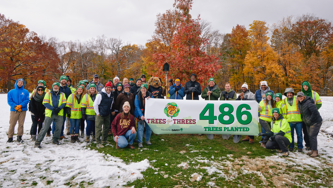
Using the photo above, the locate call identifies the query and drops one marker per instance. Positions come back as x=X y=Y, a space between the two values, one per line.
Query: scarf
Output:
x=39 y=98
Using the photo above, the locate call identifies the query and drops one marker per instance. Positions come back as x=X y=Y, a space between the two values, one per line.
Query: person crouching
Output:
x=123 y=128
x=280 y=134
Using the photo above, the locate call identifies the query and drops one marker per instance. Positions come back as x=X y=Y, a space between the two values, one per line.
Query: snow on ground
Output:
x=22 y=164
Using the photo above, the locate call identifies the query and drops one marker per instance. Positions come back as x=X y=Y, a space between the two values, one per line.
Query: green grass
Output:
x=164 y=156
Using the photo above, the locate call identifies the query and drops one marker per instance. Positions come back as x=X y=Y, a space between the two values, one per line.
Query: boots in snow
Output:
x=37 y=145
x=10 y=140
x=314 y=154
x=87 y=139
x=77 y=138
x=33 y=137
x=19 y=139
x=310 y=153
x=72 y=138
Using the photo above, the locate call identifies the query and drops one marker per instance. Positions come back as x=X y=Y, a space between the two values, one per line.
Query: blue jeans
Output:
x=63 y=127
x=141 y=127
x=122 y=140
x=75 y=126
x=90 y=127
x=298 y=126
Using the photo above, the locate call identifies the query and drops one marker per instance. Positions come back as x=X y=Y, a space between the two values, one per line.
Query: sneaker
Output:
x=247 y=138
x=62 y=137
x=10 y=140
x=33 y=137
x=285 y=154
x=19 y=139
x=291 y=149
x=148 y=143
x=100 y=146
x=56 y=143
x=37 y=145
x=130 y=146
x=251 y=141
x=300 y=150
x=140 y=145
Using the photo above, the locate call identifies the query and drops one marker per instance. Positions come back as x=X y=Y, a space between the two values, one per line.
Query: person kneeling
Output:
x=123 y=128
x=280 y=136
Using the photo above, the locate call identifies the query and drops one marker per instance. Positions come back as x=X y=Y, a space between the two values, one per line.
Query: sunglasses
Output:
x=40 y=90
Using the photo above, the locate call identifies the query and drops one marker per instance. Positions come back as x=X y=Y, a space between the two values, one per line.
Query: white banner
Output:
x=166 y=116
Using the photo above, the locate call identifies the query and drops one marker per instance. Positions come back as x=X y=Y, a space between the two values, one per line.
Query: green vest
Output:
x=88 y=103
x=48 y=99
x=265 y=111
x=281 y=125
x=293 y=113
x=72 y=103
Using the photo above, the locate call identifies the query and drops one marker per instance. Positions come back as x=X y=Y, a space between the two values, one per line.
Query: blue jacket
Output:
x=258 y=94
x=65 y=90
x=137 y=111
x=18 y=96
x=55 y=101
x=180 y=93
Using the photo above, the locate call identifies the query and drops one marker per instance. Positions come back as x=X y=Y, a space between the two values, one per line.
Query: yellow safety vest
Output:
x=72 y=89
x=316 y=97
x=88 y=103
x=293 y=112
x=281 y=125
x=282 y=107
x=265 y=111
x=48 y=99
x=72 y=103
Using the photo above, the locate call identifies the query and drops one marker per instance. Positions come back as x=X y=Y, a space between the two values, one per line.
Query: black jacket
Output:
x=309 y=112
x=37 y=108
x=135 y=89
x=192 y=87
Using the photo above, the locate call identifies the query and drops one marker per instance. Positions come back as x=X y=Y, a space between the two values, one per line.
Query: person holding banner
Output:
x=123 y=128
x=192 y=88
x=176 y=91
x=228 y=93
x=294 y=118
x=280 y=136
x=211 y=92
x=265 y=119
x=139 y=113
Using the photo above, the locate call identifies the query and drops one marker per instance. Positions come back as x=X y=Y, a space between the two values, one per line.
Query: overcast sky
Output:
x=133 y=20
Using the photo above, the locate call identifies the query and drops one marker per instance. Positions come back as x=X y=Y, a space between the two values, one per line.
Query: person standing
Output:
x=176 y=91
x=265 y=109
x=261 y=93
x=125 y=96
x=37 y=110
x=125 y=81
x=279 y=135
x=192 y=88
x=102 y=106
x=18 y=100
x=119 y=90
x=312 y=120
x=228 y=93
x=123 y=128
x=97 y=83
x=54 y=102
x=143 y=79
x=307 y=90
x=211 y=92
x=116 y=80
x=74 y=114
x=135 y=89
x=139 y=113
x=40 y=83
x=88 y=112
x=293 y=115
x=69 y=84
x=280 y=104
x=131 y=82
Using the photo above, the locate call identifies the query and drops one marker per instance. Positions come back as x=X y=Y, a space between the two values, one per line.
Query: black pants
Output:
x=280 y=142
x=267 y=126
x=82 y=125
x=306 y=136
x=313 y=131
x=35 y=124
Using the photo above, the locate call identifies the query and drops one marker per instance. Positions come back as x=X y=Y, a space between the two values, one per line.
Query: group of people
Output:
x=122 y=105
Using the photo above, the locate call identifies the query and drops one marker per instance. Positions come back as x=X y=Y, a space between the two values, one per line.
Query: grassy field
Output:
x=195 y=161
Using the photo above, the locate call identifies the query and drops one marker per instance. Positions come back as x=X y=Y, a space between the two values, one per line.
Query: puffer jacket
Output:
x=309 y=112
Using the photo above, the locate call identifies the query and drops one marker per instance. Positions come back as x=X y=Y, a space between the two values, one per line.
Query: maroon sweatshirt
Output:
x=121 y=126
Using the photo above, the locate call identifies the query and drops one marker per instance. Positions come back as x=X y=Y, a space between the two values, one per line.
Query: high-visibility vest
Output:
x=282 y=107
x=265 y=111
x=72 y=89
x=316 y=97
x=73 y=103
x=281 y=125
x=48 y=99
x=88 y=103
x=293 y=112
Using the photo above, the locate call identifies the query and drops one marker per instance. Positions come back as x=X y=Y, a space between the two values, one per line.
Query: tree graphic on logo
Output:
x=171 y=110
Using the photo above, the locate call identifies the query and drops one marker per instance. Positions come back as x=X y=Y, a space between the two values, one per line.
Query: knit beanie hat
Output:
x=269 y=93
x=263 y=83
x=92 y=85
x=127 y=104
x=63 y=77
x=109 y=84
x=211 y=79
x=245 y=85
x=276 y=110
x=42 y=81
x=127 y=85
x=144 y=85
x=278 y=95
x=80 y=87
x=119 y=84
x=56 y=83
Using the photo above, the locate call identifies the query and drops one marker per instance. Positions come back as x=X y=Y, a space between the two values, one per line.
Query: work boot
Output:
x=37 y=145
x=247 y=138
x=87 y=139
x=263 y=145
x=308 y=148
x=314 y=153
x=10 y=140
x=77 y=138
x=19 y=139
x=62 y=137
x=251 y=141
x=310 y=153
x=72 y=138
x=33 y=137
x=300 y=150
x=279 y=151
x=93 y=138
x=291 y=149
x=48 y=134
x=285 y=154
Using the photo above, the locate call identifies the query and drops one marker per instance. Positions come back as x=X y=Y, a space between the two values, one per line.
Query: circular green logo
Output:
x=171 y=110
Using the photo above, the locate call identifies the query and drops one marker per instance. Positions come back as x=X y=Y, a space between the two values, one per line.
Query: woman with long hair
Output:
x=265 y=109
x=88 y=112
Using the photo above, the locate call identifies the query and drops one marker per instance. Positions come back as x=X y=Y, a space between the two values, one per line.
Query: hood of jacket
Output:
x=15 y=85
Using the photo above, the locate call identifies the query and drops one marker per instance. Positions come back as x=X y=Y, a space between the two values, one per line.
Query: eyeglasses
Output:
x=40 y=90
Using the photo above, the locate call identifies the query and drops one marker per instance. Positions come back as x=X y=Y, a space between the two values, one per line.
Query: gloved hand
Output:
x=84 y=117
x=176 y=88
x=69 y=115
x=192 y=89
x=19 y=110
x=18 y=107
x=262 y=134
x=272 y=138
x=56 y=110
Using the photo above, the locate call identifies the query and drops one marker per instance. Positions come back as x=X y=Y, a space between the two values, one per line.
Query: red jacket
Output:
x=121 y=126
